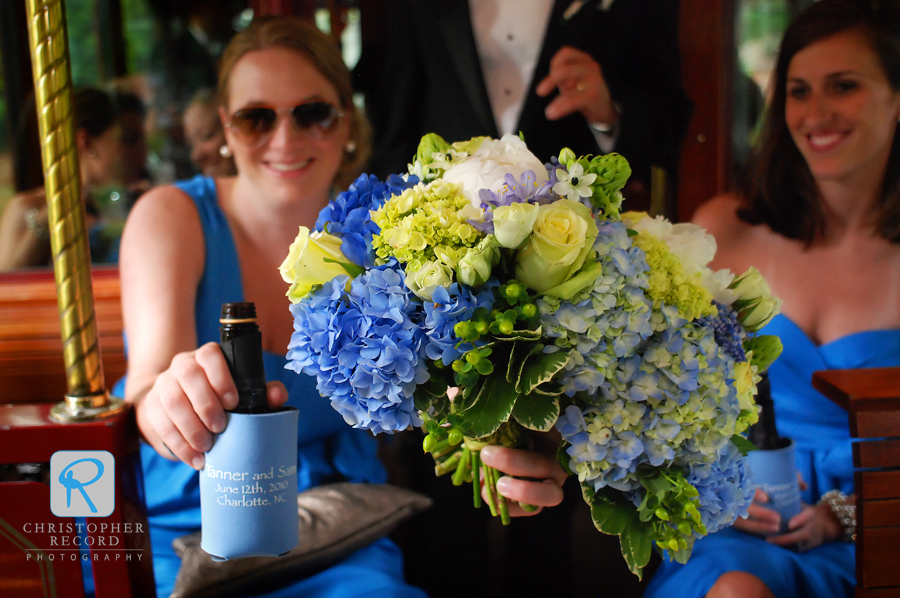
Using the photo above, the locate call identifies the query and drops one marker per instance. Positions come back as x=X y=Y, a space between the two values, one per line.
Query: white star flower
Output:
x=574 y=184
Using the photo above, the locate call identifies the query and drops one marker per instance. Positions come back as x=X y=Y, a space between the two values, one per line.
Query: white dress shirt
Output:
x=509 y=35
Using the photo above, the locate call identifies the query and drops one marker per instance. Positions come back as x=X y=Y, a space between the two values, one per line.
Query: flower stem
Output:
x=528 y=508
x=476 y=481
x=490 y=488
x=501 y=503
x=462 y=468
x=447 y=465
x=441 y=448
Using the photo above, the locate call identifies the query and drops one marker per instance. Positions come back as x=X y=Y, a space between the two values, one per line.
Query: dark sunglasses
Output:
x=254 y=125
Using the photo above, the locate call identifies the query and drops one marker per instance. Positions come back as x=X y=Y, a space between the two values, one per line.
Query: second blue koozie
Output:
x=775 y=471
x=248 y=488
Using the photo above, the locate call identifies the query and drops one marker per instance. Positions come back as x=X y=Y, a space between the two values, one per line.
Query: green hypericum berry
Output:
x=473 y=357
x=455 y=437
x=529 y=310
x=684 y=528
x=506 y=327
x=461 y=366
x=673 y=544
x=512 y=292
x=662 y=514
x=462 y=329
x=428 y=443
x=481 y=326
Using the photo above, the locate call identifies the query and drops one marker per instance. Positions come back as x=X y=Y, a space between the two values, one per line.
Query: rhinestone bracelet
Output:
x=845 y=513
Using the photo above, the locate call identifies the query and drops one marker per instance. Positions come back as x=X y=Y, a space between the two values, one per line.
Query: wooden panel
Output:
x=875 y=424
x=876 y=453
x=878 y=484
x=879 y=513
x=877 y=592
x=707 y=53
x=881 y=549
x=31 y=356
x=861 y=389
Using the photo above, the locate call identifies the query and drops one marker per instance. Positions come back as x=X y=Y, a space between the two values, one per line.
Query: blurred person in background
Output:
x=206 y=137
x=24 y=228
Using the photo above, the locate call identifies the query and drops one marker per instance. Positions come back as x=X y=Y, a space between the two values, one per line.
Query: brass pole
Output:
x=87 y=397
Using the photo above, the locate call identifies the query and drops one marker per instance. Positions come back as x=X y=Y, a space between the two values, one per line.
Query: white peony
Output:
x=488 y=166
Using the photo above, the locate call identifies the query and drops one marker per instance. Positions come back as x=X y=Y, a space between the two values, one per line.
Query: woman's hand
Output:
x=814 y=525
x=186 y=405
x=543 y=489
x=760 y=520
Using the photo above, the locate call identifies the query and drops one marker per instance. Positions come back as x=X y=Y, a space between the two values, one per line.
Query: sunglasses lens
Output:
x=321 y=115
x=253 y=123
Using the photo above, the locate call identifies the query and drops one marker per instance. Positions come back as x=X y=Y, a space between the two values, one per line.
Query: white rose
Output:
x=426 y=280
x=488 y=166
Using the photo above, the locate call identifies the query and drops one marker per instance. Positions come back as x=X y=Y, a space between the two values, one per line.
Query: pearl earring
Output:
x=225 y=151
x=350 y=148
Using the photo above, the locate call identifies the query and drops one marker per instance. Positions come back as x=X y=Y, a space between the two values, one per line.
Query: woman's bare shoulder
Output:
x=736 y=240
x=163 y=224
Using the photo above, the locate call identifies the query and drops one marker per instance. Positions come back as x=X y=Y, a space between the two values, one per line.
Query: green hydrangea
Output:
x=423 y=224
x=670 y=284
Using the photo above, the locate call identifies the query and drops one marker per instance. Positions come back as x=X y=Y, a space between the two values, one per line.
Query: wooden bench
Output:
x=31 y=354
x=872 y=400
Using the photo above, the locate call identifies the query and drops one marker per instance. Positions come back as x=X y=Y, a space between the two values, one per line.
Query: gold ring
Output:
x=580 y=86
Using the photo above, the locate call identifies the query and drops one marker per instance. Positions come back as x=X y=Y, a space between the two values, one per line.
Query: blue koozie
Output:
x=248 y=488
x=775 y=471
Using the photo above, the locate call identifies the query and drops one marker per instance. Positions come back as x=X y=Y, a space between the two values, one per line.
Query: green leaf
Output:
x=657 y=484
x=433 y=392
x=352 y=269
x=492 y=406
x=636 y=545
x=518 y=355
x=536 y=412
x=540 y=369
x=742 y=444
x=609 y=516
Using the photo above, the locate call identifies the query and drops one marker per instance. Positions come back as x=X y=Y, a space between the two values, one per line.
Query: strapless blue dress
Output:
x=328 y=450
x=821 y=435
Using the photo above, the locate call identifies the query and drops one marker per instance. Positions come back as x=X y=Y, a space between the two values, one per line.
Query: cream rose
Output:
x=561 y=239
x=513 y=223
x=306 y=265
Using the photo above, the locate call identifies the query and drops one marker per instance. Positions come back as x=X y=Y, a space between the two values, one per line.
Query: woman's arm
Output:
x=180 y=392
x=20 y=243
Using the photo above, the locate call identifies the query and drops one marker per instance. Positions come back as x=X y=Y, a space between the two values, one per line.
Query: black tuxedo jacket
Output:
x=429 y=80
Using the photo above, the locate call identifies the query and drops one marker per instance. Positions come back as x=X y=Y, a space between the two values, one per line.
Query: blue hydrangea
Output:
x=725 y=488
x=365 y=348
x=348 y=215
x=448 y=307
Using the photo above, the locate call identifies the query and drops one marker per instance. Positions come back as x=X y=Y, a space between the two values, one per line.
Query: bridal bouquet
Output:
x=523 y=286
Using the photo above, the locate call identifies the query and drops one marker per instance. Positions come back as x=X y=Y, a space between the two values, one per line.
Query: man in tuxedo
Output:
x=593 y=75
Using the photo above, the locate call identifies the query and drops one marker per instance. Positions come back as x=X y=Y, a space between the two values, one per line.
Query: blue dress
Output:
x=328 y=450
x=821 y=435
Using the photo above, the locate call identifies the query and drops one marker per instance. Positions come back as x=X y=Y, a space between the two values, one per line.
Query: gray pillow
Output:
x=335 y=520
